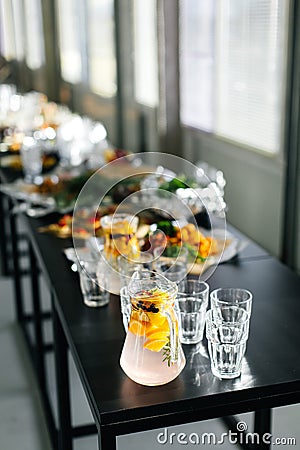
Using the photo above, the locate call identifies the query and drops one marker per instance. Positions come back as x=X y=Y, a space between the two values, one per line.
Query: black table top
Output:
x=271 y=371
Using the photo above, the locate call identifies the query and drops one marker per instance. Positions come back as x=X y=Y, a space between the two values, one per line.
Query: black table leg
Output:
x=107 y=439
x=37 y=321
x=263 y=427
x=16 y=267
x=232 y=423
x=62 y=383
x=4 y=237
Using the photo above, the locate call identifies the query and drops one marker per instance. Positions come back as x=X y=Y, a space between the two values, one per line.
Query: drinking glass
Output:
x=227 y=330
x=93 y=286
x=232 y=297
x=31 y=155
x=191 y=302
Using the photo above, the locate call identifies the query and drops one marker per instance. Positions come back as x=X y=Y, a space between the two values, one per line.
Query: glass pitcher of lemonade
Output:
x=119 y=232
x=152 y=354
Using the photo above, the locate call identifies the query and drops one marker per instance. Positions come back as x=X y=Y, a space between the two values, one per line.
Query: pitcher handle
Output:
x=125 y=307
x=174 y=337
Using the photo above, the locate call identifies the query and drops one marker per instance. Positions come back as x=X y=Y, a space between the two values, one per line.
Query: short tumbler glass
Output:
x=93 y=288
x=191 y=303
x=227 y=330
x=232 y=297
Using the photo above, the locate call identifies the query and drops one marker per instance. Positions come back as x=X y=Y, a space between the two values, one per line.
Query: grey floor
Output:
x=22 y=423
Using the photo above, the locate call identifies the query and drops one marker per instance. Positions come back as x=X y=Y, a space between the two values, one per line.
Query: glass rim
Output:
x=200 y=282
x=209 y=313
x=213 y=294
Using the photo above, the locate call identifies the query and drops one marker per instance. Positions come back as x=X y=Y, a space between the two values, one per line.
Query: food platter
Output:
x=59 y=192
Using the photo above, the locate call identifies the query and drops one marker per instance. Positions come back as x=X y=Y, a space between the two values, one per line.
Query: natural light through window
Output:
x=101 y=47
x=233 y=67
x=7 y=41
x=69 y=40
x=145 y=52
x=18 y=14
x=35 y=48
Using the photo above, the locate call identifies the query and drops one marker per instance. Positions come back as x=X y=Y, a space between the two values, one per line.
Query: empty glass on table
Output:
x=191 y=302
x=93 y=284
x=232 y=297
x=227 y=330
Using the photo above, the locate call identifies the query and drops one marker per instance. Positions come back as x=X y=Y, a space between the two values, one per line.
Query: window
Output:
x=7 y=35
x=101 y=47
x=69 y=40
x=18 y=14
x=35 y=48
x=233 y=66
x=145 y=52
